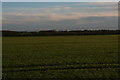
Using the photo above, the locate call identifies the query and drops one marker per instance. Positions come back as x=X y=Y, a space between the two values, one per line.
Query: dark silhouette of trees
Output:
x=60 y=33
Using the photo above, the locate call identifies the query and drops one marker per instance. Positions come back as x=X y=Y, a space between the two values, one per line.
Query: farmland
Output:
x=93 y=56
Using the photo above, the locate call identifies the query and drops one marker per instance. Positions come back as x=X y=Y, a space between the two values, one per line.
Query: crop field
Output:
x=93 y=56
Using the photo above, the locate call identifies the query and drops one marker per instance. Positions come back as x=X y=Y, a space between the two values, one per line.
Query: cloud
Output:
x=40 y=17
x=64 y=15
x=83 y=23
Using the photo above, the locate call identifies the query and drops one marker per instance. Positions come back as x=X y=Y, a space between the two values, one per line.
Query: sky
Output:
x=35 y=16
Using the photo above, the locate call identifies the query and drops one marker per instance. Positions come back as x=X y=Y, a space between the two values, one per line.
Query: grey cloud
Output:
x=84 y=23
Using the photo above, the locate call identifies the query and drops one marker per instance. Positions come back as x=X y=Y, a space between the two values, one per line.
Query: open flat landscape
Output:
x=93 y=56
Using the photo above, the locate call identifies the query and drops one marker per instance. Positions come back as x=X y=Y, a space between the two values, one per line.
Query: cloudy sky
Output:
x=35 y=16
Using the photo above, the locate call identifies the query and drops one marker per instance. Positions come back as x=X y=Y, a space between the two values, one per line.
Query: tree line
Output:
x=59 y=33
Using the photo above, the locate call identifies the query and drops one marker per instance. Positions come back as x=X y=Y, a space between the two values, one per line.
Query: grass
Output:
x=60 y=56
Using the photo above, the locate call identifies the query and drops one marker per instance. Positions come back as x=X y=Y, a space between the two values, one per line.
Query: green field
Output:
x=92 y=56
